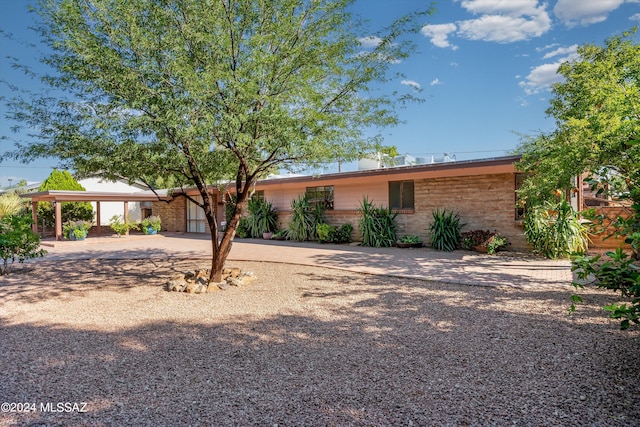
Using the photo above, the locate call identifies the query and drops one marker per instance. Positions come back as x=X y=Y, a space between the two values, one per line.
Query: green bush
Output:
x=445 y=230
x=17 y=241
x=377 y=225
x=119 y=227
x=71 y=211
x=304 y=219
x=242 y=231
x=332 y=234
x=411 y=239
x=11 y=204
x=555 y=231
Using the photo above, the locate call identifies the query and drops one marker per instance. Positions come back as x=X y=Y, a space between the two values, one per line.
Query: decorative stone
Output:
x=191 y=288
x=213 y=287
x=196 y=282
x=177 y=285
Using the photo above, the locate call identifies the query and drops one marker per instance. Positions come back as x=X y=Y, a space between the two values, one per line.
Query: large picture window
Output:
x=401 y=195
x=321 y=195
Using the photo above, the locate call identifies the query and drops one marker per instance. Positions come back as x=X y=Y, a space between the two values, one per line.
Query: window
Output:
x=258 y=195
x=321 y=195
x=145 y=209
x=401 y=195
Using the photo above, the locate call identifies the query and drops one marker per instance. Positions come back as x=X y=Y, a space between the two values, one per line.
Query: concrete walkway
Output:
x=463 y=267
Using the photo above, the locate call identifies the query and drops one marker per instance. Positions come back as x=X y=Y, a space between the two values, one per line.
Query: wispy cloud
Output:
x=439 y=34
x=635 y=17
x=370 y=42
x=412 y=84
x=561 y=51
x=435 y=82
x=585 y=12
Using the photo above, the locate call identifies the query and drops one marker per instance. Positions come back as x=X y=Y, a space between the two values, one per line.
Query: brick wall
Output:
x=610 y=213
x=483 y=202
x=172 y=214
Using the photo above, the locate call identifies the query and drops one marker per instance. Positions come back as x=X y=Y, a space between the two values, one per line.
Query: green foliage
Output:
x=11 y=204
x=17 y=241
x=445 y=230
x=242 y=231
x=120 y=227
x=492 y=241
x=304 y=219
x=377 y=225
x=153 y=222
x=76 y=230
x=619 y=273
x=331 y=234
x=71 y=211
x=593 y=106
x=411 y=239
x=555 y=230
x=263 y=218
x=202 y=92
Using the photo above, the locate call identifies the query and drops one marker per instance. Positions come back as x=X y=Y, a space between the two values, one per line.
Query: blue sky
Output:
x=483 y=67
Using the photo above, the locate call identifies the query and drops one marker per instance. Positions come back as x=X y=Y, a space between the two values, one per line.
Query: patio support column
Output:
x=126 y=215
x=34 y=216
x=58 y=216
x=99 y=229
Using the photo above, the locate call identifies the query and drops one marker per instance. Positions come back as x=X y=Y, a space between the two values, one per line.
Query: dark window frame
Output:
x=323 y=194
x=402 y=195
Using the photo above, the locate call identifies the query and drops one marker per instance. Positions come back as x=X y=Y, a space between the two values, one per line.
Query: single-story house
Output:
x=482 y=192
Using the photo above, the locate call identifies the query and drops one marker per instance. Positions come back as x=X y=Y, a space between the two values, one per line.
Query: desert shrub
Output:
x=377 y=225
x=18 y=242
x=120 y=227
x=11 y=204
x=445 y=230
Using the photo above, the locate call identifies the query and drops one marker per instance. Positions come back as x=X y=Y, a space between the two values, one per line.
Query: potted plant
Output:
x=151 y=224
x=76 y=230
x=409 y=241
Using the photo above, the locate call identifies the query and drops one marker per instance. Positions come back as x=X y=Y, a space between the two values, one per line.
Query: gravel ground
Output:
x=305 y=346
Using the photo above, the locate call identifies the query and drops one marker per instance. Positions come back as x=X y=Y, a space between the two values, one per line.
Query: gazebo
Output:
x=56 y=197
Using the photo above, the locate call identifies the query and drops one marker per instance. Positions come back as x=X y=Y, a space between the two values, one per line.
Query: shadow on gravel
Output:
x=355 y=350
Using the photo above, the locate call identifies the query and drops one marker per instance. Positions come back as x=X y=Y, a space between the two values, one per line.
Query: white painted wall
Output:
x=109 y=209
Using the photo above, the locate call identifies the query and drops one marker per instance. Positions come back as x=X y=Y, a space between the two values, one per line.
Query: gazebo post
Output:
x=126 y=215
x=58 y=216
x=99 y=227
x=34 y=216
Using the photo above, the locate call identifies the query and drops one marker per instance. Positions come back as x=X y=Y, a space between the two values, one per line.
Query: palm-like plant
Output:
x=445 y=230
x=377 y=225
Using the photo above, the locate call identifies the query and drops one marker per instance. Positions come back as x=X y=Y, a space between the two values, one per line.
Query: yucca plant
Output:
x=445 y=230
x=555 y=230
x=263 y=218
x=377 y=225
x=304 y=219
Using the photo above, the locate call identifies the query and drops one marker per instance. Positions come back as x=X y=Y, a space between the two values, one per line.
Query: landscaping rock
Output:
x=196 y=282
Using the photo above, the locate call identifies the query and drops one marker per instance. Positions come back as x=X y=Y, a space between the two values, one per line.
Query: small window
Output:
x=258 y=195
x=321 y=195
x=401 y=195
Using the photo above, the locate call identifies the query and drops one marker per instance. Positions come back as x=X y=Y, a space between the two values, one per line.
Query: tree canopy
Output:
x=203 y=91
x=597 y=112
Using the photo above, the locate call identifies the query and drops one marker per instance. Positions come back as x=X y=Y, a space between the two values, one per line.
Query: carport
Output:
x=56 y=197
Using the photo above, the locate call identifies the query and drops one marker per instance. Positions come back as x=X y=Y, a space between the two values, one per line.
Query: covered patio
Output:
x=57 y=197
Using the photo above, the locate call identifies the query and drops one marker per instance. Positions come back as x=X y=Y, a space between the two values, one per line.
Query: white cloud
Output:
x=502 y=21
x=635 y=17
x=503 y=7
x=435 y=82
x=585 y=12
x=571 y=50
x=541 y=78
x=439 y=34
x=370 y=42
x=506 y=28
x=411 y=83
x=547 y=47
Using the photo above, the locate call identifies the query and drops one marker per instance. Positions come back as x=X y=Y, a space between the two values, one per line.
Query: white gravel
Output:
x=305 y=346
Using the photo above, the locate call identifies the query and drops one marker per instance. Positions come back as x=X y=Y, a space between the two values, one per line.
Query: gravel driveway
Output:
x=305 y=346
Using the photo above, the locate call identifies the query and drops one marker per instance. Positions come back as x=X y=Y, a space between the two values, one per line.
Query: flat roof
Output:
x=95 y=196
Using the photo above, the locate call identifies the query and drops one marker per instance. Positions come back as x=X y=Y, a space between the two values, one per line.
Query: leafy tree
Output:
x=210 y=91
x=18 y=242
x=71 y=211
x=597 y=112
